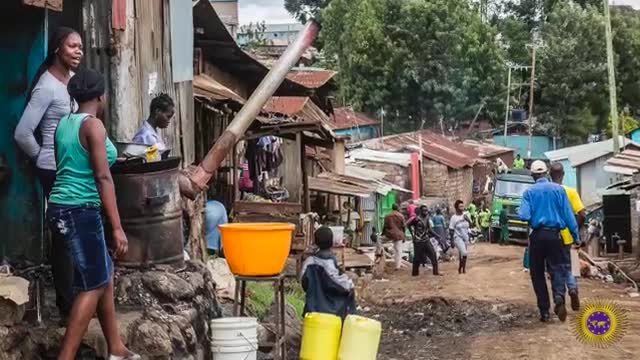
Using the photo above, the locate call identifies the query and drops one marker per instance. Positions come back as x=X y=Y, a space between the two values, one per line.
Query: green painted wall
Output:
x=22 y=49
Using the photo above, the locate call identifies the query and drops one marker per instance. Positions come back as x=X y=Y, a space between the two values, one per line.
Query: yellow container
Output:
x=256 y=249
x=320 y=337
x=360 y=338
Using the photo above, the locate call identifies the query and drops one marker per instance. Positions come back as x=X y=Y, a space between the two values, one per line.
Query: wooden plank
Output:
x=291 y=168
x=306 y=194
x=267 y=207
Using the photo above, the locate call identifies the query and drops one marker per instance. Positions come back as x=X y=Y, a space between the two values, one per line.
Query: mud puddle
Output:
x=439 y=328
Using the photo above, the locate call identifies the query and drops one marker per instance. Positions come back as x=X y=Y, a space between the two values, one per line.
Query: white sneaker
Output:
x=131 y=356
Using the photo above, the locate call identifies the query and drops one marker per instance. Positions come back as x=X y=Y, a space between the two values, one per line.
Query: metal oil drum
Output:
x=150 y=210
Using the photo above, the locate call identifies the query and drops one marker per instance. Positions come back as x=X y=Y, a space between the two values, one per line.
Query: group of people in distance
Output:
x=423 y=227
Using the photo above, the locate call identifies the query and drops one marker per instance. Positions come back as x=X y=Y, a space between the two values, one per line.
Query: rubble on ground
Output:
x=163 y=313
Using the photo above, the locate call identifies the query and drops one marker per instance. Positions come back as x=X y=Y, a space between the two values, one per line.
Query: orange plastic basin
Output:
x=256 y=249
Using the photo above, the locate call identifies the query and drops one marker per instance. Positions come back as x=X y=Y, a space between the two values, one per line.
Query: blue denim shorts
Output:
x=83 y=233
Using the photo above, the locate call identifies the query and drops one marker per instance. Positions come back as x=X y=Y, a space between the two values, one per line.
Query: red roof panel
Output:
x=287 y=105
x=312 y=79
x=435 y=147
x=346 y=118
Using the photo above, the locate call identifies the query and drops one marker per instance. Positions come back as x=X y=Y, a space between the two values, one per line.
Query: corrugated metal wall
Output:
x=96 y=29
x=22 y=49
x=138 y=62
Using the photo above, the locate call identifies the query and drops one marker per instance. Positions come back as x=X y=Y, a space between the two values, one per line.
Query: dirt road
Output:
x=489 y=313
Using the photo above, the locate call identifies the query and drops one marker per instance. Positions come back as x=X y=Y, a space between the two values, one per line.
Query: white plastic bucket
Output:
x=234 y=338
x=234 y=353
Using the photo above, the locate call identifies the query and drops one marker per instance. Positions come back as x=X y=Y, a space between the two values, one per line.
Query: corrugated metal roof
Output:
x=347 y=118
x=206 y=86
x=298 y=108
x=388 y=157
x=312 y=79
x=625 y=163
x=377 y=177
x=339 y=187
x=580 y=154
x=287 y=105
x=487 y=150
x=435 y=147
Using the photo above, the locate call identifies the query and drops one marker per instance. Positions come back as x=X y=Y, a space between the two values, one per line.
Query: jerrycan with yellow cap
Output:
x=320 y=337
x=360 y=338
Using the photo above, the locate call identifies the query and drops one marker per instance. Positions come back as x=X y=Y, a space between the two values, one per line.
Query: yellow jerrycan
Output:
x=360 y=338
x=152 y=153
x=320 y=337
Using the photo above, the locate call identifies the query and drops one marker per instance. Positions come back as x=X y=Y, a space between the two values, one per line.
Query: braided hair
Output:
x=56 y=40
x=162 y=102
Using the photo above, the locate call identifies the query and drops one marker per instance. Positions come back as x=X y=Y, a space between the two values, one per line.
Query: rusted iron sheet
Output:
x=347 y=118
x=487 y=150
x=49 y=4
x=312 y=79
x=435 y=147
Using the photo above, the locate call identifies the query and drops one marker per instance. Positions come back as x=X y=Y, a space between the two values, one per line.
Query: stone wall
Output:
x=163 y=313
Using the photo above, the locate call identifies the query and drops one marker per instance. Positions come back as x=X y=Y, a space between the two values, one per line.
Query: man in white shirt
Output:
x=162 y=110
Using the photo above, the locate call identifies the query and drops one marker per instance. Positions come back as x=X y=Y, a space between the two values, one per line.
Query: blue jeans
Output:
x=571 y=282
x=546 y=247
x=82 y=232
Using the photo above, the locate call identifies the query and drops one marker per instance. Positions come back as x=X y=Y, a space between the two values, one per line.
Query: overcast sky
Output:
x=270 y=11
x=273 y=12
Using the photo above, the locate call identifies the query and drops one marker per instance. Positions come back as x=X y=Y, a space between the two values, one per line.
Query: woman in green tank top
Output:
x=82 y=192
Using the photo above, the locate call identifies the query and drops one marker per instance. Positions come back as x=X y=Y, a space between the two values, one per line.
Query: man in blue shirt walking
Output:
x=545 y=206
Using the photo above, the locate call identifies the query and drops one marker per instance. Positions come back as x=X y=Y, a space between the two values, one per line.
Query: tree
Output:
x=626 y=122
x=572 y=96
x=418 y=60
x=305 y=10
x=625 y=23
x=254 y=35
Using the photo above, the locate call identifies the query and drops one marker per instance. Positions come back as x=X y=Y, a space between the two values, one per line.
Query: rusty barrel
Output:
x=150 y=210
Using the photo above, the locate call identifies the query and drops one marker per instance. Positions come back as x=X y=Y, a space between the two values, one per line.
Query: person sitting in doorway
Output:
x=327 y=289
x=162 y=110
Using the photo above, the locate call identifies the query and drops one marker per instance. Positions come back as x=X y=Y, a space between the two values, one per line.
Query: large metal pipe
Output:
x=200 y=176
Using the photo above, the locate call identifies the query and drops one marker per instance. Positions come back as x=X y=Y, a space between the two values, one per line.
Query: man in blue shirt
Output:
x=545 y=206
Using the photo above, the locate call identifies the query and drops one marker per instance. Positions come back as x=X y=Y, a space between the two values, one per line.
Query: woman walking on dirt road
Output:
x=459 y=234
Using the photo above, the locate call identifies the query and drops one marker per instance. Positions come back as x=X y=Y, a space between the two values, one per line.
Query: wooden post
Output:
x=291 y=168
x=306 y=197
x=234 y=174
x=361 y=229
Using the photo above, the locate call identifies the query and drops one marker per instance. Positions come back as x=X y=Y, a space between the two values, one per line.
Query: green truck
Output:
x=507 y=194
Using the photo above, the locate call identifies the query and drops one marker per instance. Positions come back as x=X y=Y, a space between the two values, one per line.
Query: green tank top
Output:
x=75 y=182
